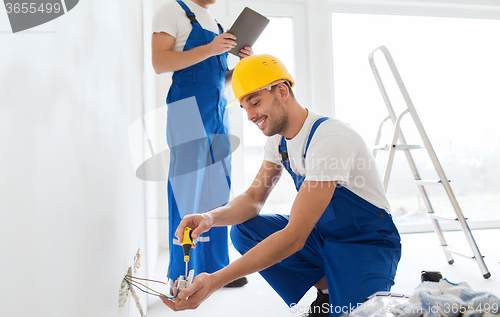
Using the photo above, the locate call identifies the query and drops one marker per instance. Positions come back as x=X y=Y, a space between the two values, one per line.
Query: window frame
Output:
x=297 y=12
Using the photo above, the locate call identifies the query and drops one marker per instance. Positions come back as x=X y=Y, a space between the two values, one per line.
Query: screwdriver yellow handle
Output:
x=187 y=242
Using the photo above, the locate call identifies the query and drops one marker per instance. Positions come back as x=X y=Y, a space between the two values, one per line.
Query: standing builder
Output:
x=189 y=42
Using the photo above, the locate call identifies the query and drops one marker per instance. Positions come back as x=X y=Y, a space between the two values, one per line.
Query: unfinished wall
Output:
x=72 y=210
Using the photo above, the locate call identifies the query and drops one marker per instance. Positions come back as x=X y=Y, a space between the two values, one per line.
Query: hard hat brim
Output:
x=233 y=103
x=268 y=86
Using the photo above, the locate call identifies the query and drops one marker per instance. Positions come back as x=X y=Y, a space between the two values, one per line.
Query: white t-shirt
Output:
x=172 y=19
x=336 y=153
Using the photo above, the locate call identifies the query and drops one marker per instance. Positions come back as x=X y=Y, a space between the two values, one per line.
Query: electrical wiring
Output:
x=159 y=295
x=130 y=281
x=127 y=278
x=145 y=279
x=134 y=283
x=156 y=293
x=139 y=288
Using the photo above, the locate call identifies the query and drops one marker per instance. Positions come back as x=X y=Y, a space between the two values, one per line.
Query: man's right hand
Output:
x=222 y=43
x=198 y=222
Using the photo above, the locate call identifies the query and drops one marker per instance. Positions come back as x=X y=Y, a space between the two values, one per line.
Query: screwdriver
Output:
x=187 y=243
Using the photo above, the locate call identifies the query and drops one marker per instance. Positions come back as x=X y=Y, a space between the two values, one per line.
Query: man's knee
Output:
x=235 y=233
x=248 y=234
x=238 y=237
x=245 y=235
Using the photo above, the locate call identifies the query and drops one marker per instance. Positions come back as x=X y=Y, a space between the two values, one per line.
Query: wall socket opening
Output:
x=123 y=292
x=125 y=287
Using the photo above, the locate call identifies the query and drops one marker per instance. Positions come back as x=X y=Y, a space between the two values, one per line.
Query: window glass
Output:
x=281 y=199
x=451 y=69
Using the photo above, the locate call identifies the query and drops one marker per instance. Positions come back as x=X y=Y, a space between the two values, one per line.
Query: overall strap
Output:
x=282 y=147
x=283 y=151
x=297 y=179
x=189 y=14
x=313 y=129
x=220 y=27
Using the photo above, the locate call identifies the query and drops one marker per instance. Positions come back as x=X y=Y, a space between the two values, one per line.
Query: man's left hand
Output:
x=194 y=295
x=245 y=52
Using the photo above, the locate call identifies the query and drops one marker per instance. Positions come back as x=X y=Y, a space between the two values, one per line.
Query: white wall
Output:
x=72 y=210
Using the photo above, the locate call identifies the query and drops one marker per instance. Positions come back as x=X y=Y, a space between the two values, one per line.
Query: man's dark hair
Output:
x=287 y=83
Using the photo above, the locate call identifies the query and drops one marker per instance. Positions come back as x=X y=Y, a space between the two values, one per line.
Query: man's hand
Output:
x=245 y=52
x=190 y=298
x=222 y=43
x=198 y=222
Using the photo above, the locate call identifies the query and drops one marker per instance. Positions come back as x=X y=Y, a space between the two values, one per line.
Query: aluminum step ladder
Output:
x=398 y=142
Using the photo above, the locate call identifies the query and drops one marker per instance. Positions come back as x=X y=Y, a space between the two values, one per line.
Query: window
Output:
x=280 y=38
x=451 y=69
x=281 y=199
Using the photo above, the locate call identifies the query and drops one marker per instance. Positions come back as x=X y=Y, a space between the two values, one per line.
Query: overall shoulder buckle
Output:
x=191 y=17
x=283 y=152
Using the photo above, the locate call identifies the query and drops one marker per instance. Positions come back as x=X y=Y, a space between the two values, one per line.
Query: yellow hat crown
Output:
x=255 y=72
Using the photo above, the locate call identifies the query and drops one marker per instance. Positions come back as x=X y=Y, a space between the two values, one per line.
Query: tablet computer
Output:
x=248 y=27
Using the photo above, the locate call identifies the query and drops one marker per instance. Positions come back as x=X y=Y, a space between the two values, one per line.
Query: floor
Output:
x=420 y=252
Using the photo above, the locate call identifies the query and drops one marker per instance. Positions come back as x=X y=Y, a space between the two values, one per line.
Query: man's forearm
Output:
x=248 y=205
x=170 y=61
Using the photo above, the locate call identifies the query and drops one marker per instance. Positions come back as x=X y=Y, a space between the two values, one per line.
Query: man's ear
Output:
x=283 y=91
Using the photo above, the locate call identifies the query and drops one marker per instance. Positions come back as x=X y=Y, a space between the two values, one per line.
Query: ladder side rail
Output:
x=435 y=161
x=380 y=84
x=392 y=150
x=451 y=195
x=423 y=134
x=442 y=240
x=421 y=130
x=419 y=125
x=423 y=193
x=470 y=239
x=409 y=157
x=390 y=109
x=379 y=134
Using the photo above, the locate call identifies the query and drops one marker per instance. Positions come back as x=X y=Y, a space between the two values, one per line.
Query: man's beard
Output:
x=280 y=117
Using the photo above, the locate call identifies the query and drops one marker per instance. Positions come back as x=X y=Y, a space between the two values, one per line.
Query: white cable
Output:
x=137 y=302
x=123 y=295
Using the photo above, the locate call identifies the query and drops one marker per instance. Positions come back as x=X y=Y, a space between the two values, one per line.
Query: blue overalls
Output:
x=196 y=191
x=354 y=244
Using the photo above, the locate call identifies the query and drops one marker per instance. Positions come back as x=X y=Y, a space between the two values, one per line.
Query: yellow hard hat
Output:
x=257 y=72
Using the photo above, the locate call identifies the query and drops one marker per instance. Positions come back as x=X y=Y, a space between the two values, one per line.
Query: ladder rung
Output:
x=428 y=181
x=454 y=251
x=399 y=147
x=434 y=216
